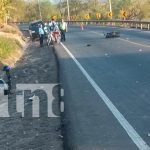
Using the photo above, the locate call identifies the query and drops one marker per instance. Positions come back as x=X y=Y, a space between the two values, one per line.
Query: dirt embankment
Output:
x=11 y=34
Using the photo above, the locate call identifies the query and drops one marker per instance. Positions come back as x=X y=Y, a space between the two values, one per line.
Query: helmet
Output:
x=54 y=18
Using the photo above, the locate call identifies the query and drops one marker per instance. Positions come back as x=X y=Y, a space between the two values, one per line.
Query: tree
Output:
x=5 y=8
x=28 y=10
x=18 y=13
x=144 y=10
x=48 y=10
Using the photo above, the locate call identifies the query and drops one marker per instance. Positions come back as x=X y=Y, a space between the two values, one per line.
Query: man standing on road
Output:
x=41 y=35
x=63 y=29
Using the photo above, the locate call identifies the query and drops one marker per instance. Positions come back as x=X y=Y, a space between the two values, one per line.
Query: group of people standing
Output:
x=52 y=27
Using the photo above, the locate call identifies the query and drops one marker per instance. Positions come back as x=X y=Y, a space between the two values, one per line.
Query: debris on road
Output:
x=88 y=45
x=61 y=137
x=113 y=34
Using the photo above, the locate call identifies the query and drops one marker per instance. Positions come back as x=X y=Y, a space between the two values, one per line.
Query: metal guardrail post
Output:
x=130 y=25
x=141 y=26
x=148 y=26
x=136 y=26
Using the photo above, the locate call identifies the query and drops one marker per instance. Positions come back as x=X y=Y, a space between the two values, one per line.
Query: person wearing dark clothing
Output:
x=63 y=36
x=41 y=35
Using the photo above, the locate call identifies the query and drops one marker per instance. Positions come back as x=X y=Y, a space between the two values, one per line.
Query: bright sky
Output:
x=54 y=1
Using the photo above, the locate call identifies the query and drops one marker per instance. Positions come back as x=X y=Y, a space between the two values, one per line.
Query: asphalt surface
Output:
x=120 y=68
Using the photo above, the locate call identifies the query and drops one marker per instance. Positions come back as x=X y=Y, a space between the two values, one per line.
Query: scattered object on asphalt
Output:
x=88 y=45
x=33 y=98
x=107 y=55
x=148 y=134
x=61 y=137
x=112 y=34
x=140 y=50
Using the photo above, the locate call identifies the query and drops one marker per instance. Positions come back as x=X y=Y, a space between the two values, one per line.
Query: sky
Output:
x=54 y=1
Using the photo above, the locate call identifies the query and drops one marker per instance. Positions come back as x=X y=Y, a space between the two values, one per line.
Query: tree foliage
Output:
x=28 y=10
x=5 y=9
x=136 y=9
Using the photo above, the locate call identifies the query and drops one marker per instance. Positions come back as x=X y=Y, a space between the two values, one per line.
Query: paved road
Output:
x=107 y=84
x=23 y=26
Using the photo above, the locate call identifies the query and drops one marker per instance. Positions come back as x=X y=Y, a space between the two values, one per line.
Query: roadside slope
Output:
x=37 y=66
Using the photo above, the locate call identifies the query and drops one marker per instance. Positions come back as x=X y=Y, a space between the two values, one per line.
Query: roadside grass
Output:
x=7 y=47
x=12 y=43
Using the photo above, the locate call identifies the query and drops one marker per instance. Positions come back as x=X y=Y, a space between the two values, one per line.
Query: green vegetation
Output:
x=28 y=10
x=7 y=47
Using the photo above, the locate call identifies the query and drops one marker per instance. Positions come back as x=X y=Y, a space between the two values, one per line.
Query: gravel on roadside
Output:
x=37 y=66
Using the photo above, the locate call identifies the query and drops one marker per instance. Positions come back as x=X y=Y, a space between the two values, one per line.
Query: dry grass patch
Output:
x=11 y=44
x=10 y=51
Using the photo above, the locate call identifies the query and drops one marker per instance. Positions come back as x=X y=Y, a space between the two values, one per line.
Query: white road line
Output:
x=62 y=106
x=140 y=143
x=147 y=46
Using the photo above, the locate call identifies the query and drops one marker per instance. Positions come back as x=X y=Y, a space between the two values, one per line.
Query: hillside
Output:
x=12 y=44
